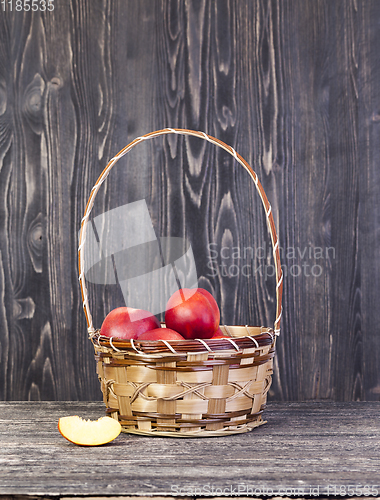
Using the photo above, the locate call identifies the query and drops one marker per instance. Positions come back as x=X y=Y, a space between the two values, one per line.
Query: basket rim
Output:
x=228 y=345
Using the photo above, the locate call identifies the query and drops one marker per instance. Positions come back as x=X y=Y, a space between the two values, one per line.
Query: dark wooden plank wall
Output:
x=293 y=85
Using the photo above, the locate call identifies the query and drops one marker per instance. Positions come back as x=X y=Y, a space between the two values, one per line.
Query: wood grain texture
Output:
x=302 y=446
x=292 y=85
x=369 y=215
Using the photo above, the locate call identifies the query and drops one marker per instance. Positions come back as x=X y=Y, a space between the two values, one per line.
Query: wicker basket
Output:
x=190 y=388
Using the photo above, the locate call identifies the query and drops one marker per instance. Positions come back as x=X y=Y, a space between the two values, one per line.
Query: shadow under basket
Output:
x=186 y=388
x=189 y=388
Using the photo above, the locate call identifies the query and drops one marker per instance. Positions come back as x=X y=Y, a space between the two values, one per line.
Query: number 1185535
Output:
x=27 y=5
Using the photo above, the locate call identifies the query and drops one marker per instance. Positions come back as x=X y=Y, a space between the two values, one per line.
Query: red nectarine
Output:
x=89 y=432
x=219 y=334
x=128 y=323
x=193 y=313
x=160 y=334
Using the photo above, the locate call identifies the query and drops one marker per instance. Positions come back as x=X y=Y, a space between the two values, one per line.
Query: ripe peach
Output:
x=128 y=323
x=89 y=432
x=212 y=301
x=193 y=313
x=160 y=334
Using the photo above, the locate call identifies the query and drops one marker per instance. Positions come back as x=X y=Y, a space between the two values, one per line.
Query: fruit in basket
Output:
x=193 y=312
x=212 y=301
x=89 y=432
x=128 y=323
x=161 y=334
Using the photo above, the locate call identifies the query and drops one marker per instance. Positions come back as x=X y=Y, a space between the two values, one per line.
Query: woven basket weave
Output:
x=189 y=388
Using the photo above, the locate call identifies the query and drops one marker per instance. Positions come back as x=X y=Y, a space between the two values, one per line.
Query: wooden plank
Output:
x=302 y=447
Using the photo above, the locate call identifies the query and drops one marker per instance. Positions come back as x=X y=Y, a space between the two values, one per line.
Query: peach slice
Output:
x=89 y=432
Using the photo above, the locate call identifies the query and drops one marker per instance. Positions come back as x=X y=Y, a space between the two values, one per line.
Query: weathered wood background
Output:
x=307 y=449
x=293 y=85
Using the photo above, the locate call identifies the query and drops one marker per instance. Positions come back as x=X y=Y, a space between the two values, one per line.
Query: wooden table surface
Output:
x=319 y=449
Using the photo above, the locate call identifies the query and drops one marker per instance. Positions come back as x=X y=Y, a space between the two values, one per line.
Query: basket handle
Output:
x=239 y=159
